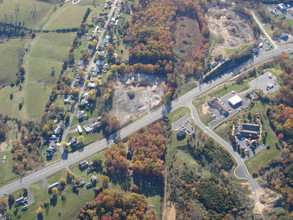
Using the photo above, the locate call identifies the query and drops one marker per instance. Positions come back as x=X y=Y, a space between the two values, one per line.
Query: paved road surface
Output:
x=97 y=146
x=88 y=69
x=241 y=171
x=263 y=30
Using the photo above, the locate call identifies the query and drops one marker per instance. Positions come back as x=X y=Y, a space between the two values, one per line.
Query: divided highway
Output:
x=185 y=100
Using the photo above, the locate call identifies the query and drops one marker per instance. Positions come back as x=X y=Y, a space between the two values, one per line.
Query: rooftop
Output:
x=235 y=100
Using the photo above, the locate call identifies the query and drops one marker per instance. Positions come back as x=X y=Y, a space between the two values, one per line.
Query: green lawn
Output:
x=9 y=54
x=88 y=138
x=10 y=107
x=68 y=16
x=31 y=13
x=6 y=174
x=48 y=51
x=222 y=130
x=226 y=88
x=236 y=50
x=178 y=113
x=185 y=87
x=263 y=157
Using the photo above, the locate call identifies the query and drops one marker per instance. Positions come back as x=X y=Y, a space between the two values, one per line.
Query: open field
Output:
x=6 y=168
x=48 y=52
x=11 y=107
x=68 y=16
x=30 y=13
x=9 y=53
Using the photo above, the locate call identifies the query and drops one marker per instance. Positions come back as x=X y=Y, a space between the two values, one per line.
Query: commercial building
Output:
x=248 y=130
x=235 y=101
x=216 y=103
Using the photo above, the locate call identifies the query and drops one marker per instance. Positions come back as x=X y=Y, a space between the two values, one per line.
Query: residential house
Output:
x=83 y=165
x=57 y=184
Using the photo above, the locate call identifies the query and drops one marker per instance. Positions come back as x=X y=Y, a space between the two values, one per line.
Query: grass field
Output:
x=236 y=50
x=9 y=52
x=31 y=13
x=10 y=107
x=6 y=168
x=263 y=157
x=47 y=52
x=68 y=16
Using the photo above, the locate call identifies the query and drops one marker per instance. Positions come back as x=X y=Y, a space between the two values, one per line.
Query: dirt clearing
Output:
x=131 y=99
x=169 y=212
x=231 y=29
x=205 y=108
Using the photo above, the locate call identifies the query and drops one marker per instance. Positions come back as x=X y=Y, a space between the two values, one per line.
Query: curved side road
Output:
x=131 y=128
x=241 y=171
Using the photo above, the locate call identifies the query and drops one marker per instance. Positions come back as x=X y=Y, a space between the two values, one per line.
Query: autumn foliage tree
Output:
x=113 y=204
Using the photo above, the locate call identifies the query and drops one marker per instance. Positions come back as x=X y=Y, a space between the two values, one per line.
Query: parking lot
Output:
x=266 y=82
x=224 y=100
x=249 y=151
x=183 y=123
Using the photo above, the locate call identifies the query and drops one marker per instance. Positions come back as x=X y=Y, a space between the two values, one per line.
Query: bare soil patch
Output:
x=205 y=108
x=169 y=212
x=187 y=35
x=131 y=101
x=231 y=29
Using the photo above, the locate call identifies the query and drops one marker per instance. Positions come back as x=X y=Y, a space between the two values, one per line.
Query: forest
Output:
x=143 y=154
x=197 y=194
x=113 y=204
x=278 y=173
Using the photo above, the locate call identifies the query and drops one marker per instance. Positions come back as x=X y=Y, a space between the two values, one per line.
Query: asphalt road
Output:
x=263 y=30
x=88 y=69
x=241 y=171
x=97 y=146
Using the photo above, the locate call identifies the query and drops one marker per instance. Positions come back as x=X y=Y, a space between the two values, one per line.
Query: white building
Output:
x=235 y=101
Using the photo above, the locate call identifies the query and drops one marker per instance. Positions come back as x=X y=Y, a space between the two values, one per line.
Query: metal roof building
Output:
x=235 y=101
